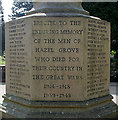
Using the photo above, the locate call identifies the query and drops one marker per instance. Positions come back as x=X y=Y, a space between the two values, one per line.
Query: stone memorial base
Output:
x=58 y=66
x=102 y=107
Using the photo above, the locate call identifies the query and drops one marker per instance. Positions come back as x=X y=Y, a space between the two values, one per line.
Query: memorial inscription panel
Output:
x=57 y=62
x=18 y=52
x=98 y=58
x=58 y=58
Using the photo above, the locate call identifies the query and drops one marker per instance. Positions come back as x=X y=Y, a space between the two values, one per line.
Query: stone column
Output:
x=58 y=7
x=58 y=64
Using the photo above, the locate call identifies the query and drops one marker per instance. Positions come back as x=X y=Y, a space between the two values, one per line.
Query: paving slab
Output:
x=2 y=91
x=114 y=91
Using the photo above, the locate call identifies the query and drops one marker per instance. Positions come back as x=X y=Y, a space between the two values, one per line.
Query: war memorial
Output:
x=58 y=64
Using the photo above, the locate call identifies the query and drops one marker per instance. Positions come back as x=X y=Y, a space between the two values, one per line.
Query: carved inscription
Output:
x=98 y=58
x=17 y=62
x=57 y=60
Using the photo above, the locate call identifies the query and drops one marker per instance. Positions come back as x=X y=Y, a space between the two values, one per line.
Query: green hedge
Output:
x=2 y=60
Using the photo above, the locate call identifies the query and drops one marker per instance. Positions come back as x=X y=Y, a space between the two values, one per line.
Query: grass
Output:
x=2 y=61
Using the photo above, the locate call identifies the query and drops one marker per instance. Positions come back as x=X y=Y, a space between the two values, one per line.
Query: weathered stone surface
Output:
x=58 y=58
x=58 y=66
x=87 y=109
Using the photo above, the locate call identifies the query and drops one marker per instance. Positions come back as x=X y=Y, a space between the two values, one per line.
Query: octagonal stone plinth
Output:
x=57 y=58
x=58 y=65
